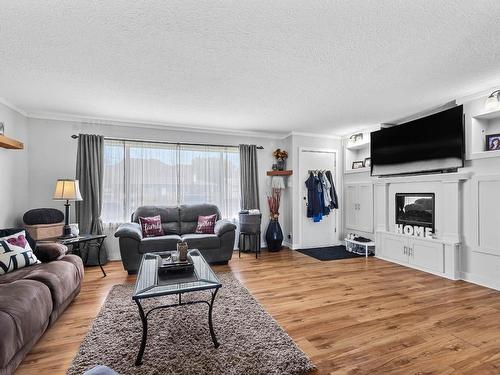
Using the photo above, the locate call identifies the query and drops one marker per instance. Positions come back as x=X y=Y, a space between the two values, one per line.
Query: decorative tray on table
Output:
x=166 y=264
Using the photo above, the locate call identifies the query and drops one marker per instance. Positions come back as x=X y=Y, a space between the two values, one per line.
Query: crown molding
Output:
x=366 y=129
x=15 y=108
x=150 y=125
x=314 y=135
x=476 y=95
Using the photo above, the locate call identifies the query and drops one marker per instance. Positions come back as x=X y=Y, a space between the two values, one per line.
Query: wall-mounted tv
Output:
x=430 y=144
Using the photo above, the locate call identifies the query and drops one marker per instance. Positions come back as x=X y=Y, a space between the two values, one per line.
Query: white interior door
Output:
x=323 y=233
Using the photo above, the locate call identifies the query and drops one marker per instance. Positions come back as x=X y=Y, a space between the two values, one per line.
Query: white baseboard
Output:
x=336 y=243
x=480 y=280
x=415 y=267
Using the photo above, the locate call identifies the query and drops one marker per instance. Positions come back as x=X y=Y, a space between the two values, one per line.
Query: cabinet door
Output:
x=426 y=254
x=365 y=207
x=351 y=205
x=393 y=247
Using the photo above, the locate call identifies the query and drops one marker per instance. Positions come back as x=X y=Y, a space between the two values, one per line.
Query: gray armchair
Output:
x=179 y=224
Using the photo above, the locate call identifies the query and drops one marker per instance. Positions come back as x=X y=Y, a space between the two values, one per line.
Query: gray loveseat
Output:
x=179 y=224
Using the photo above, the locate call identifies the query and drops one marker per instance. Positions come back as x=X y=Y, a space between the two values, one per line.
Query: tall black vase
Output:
x=274 y=236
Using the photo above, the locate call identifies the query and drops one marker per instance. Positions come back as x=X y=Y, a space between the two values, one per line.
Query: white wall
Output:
x=53 y=154
x=14 y=180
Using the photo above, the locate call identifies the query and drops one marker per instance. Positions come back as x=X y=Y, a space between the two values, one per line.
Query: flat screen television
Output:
x=430 y=144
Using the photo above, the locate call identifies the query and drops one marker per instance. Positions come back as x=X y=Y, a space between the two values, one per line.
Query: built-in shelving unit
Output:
x=356 y=151
x=6 y=142
x=481 y=125
x=279 y=173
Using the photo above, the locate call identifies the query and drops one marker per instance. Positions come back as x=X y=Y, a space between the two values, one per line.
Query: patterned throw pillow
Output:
x=15 y=253
x=151 y=226
x=206 y=224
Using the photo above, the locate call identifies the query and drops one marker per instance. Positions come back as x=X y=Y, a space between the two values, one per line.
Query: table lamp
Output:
x=67 y=190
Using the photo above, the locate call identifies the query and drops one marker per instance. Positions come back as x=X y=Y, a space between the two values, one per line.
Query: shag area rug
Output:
x=251 y=341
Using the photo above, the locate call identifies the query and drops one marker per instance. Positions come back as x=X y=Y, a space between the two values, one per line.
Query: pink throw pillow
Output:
x=151 y=226
x=206 y=224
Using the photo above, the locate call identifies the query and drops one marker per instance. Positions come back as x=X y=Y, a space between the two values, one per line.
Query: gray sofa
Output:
x=31 y=300
x=179 y=224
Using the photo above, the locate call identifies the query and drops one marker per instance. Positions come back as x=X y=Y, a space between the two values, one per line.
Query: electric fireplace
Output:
x=415 y=209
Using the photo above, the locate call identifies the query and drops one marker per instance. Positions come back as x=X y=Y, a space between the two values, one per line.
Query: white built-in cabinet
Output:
x=421 y=253
x=359 y=206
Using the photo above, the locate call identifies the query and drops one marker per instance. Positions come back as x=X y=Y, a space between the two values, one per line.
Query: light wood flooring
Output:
x=353 y=316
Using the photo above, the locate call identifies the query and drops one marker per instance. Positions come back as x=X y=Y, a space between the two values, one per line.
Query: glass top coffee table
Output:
x=150 y=284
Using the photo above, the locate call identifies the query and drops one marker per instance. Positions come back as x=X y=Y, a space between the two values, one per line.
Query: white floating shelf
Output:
x=359 y=170
x=483 y=155
x=488 y=115
x=357 y=145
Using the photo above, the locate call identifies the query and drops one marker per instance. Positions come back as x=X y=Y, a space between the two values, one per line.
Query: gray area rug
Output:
x=251 y=341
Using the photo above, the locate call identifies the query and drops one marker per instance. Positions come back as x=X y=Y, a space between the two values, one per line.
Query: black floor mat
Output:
x=330 y=253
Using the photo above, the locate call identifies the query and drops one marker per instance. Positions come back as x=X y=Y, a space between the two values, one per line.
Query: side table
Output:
x=77 y=243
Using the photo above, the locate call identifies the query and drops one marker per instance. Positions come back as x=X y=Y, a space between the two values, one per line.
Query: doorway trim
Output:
x=299 y=195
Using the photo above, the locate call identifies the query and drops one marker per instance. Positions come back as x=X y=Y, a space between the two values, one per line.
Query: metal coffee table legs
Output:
x=144 y=319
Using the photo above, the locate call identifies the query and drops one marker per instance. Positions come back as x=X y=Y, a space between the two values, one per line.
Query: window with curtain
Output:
x=142 y=173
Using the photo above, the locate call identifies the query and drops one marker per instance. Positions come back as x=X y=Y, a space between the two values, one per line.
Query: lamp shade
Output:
x=67 y=190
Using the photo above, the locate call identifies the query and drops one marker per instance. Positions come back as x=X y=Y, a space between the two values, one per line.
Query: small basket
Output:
x=44 y=231
x=359 y=249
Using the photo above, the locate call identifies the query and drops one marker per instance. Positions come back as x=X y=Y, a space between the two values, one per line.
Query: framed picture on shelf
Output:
x=358 y=137
x=492 y=142
x=368 y=162
x=357 y=164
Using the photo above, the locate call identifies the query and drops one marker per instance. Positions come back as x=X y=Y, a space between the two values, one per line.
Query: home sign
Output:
x=414 y=230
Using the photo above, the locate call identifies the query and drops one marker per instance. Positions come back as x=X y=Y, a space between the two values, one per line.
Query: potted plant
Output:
x=281 y=156
x=274 y=234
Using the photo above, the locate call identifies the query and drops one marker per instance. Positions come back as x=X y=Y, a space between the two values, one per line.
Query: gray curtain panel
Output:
x=89 y=172
x=249 y=177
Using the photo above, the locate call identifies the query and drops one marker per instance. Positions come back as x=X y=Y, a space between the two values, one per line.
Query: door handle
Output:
x=404 y=250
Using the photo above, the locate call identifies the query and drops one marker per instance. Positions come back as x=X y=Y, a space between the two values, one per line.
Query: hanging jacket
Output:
x=325 y=193
x=314 y=194
x=333 y=192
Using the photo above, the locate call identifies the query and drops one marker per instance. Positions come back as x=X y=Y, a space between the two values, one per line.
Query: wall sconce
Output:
x=492 y=102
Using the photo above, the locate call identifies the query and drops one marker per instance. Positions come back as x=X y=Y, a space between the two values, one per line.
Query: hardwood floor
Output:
x=353 y=316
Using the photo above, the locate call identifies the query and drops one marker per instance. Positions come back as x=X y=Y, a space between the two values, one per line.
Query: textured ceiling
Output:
x=281 y=65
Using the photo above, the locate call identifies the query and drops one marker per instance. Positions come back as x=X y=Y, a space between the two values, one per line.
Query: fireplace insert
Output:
x=415 y=209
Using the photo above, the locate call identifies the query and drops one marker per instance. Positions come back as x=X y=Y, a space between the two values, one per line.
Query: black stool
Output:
x=250 y=228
